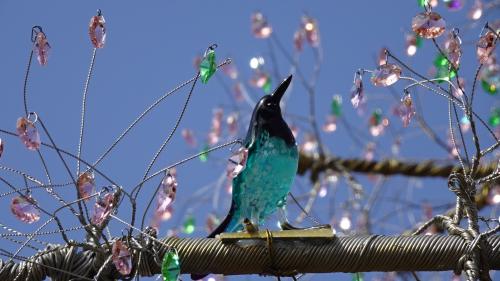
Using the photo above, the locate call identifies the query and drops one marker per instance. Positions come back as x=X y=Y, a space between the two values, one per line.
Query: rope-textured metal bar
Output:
x=384 y=167
x=204 y=255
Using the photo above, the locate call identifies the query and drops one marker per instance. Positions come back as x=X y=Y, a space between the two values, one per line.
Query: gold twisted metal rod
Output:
x=317 y=165
x=361 y=253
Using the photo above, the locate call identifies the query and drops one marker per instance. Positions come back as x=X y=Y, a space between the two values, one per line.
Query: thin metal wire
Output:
x=84 y=103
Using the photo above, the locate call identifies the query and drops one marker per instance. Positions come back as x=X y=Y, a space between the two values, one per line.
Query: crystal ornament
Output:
x=166 y=195
x=311 y=31
x=103 y=207
x=428 y=25
x=41 y=47
x=386 y=75
x=238 y=162
x=170 y=267
x=86 y=185
x=452 y=49
x=485 y=46
x=336 y=107
x=260 y=26
x=208 y=66
x=1 y=147
x=490 y=78
x=97 y=30
x=357 y=91
x=406 y=110
x=121 y=258
x=24 y=208
x=476 y=11
x=28 y=133
x=189 y=225
x=494 y=119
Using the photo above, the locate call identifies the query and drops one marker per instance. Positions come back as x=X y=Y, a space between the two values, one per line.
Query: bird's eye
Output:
x=269 y=104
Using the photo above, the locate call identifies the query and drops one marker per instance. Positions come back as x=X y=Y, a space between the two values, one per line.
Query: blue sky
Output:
x=150 y=49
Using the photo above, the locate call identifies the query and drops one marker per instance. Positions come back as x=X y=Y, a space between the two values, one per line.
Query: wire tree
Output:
x=97 y=228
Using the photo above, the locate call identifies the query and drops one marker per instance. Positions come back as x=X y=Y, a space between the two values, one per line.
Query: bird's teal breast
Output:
x=263 y=185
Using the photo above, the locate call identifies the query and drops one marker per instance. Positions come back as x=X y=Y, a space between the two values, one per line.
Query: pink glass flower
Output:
x=386 y=75
x=188 y=136
x=485 y=46
x=41 y=47
x=103 y=208
x=24 y=209
x=166 y=195
x=298 y=40
x=232 y=123
x=357 y=91
x=238 y=91
x=428 y=25
x=311 y=30
x=86 y=185
x=330 y=125
x=28 y=133
x=216 y=130
x=97 y=30
x=260 y=26
x=238 y=162
x=406 y=110
x=476 y=11
x=121 y=258
x=452 y=48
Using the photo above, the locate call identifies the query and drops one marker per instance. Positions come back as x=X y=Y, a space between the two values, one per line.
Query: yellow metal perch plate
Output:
x=315 y=233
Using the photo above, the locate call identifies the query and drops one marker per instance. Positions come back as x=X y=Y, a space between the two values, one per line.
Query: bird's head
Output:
x=269 y=105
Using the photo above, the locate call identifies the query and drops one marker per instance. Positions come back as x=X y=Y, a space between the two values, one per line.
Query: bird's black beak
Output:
x=280 y=91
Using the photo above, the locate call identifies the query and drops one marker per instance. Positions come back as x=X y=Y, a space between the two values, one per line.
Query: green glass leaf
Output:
x=376 y=117
x=440 y=61
x=267 y=86
x=422 y=3
x=489 y=88
x=207 y=66
x=358 y=276
x=189 y=225
x=495 y=117
x=204 y=156
x=418 y=41
x=170 y=267
x=336 y=106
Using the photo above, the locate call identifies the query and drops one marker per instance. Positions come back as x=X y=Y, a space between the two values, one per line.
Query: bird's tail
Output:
x=221 y=228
